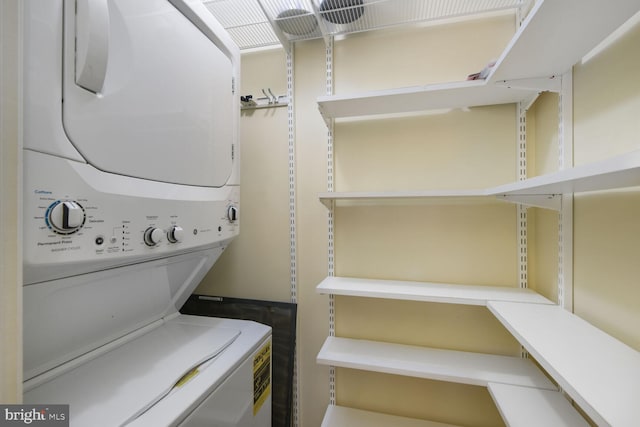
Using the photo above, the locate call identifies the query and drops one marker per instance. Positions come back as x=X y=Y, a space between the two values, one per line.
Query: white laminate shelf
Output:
x=534 y=407
x=600 y=373
x=427 y=292
x=554 y=36
x=368 y=197
x=340 y=416
x=616 y=172
x=462 y=94
x=430 y=363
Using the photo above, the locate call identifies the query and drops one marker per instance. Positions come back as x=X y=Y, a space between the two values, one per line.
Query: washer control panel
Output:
x=79 y=229
x=78 y=224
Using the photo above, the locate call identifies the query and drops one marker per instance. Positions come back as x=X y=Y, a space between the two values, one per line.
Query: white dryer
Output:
x=131 y=193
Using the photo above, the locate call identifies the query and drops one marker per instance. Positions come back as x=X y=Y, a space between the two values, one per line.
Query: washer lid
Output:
x=117 y=386
x=147 y=94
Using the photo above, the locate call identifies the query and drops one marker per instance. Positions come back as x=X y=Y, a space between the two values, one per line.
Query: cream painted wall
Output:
x=436 y=151
x=606 y=101
x=404 y=396
x=542 y=135
x=10 y=205
x=438 y=53
x=606 y=226
x=256 y=264
x=542 y=235
x=542 y=224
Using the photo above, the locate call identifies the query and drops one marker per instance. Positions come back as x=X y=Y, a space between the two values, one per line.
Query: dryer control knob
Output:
x=175 y=234
x=153 y=236
x=65 y=217
x=232 y=214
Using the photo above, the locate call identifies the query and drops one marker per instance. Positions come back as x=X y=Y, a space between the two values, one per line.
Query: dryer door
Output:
x=146 y=93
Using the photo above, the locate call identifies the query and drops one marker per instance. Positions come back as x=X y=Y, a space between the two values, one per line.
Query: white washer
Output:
x=131 y=193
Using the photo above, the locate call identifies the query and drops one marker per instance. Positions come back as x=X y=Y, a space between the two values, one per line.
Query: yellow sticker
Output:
x=261 y=377
x=186 y=377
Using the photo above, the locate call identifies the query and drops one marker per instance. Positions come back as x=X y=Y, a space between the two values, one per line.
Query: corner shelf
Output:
x=593 y=368
x=518 y=406
x=615 y=172
x=430 y=363
x=340 y=416
x=427 y=292
x=542 y=191
x=555 y=35
x=534 y=407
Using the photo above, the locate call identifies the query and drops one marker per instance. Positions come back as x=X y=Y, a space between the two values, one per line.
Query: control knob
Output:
x=153 y=236
x=232 y=213
x=175 y=234
x=65 y=217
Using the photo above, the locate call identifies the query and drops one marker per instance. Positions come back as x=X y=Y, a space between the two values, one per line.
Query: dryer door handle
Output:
x=92 y=43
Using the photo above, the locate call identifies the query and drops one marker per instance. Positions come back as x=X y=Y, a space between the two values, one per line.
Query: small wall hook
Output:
x=269 y=97
x=275 y=98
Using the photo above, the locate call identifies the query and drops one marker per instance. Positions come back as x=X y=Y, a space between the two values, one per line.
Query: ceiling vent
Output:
x=258 y=23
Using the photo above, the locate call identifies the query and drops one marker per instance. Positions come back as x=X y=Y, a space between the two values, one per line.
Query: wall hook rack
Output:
x=268 y=101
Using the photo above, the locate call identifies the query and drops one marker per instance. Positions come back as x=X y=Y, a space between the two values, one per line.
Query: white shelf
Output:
x=557 y=34
x=436 y=364
x=534 y=407
x=616 y=172
x=368 y=197
x=462 y=94
x=427 y=292
x=340 y=416
x=554 y=36
x=600 y=373
x=440 y=197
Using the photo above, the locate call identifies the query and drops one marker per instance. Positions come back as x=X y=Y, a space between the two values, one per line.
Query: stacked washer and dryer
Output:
x=131 y=193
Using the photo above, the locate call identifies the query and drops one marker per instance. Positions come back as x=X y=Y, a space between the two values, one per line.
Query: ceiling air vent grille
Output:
x=256 y=23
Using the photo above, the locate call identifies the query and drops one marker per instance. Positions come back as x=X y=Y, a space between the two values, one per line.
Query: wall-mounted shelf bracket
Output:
x=325 y=116
x=546 y=201
x=328 y=203
x=541 y=84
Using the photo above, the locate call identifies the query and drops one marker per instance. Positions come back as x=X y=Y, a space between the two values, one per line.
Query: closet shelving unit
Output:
x=592 y=368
